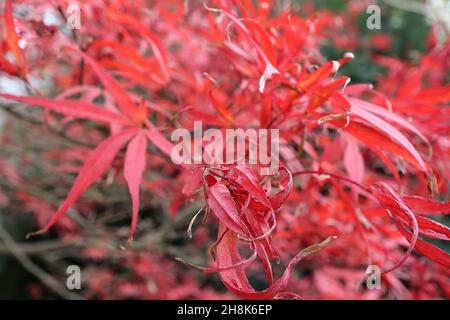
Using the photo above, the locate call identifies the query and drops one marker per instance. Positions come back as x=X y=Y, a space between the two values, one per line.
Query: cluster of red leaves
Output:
x=356 y=162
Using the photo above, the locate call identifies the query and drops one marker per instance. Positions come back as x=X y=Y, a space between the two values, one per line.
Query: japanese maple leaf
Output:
x=135 y=131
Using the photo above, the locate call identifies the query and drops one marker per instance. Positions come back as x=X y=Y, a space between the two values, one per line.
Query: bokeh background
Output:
x=36 y=268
